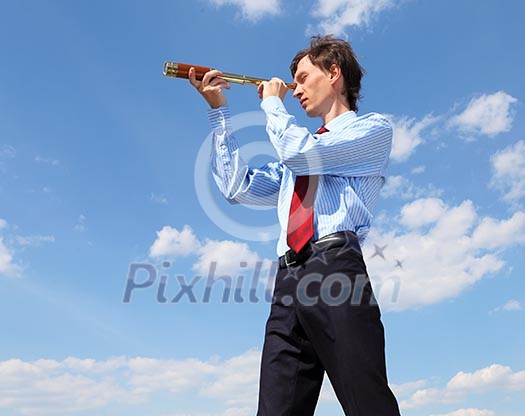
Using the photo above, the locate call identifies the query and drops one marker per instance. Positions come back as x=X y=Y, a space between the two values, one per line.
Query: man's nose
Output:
x=297 y=92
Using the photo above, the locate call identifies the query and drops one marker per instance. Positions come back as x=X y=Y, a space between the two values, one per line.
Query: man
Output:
x=325 y=187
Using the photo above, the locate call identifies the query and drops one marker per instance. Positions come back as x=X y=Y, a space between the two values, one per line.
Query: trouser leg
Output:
x=291 y=373
x=348 y=337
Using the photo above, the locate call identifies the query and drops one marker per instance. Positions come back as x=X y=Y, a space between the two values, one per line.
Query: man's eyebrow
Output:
x=299 y=74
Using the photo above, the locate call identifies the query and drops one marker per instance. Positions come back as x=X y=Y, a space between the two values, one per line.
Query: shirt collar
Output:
x=340 y=120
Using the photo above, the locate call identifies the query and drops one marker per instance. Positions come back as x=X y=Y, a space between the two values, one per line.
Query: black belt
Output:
x=338 y=239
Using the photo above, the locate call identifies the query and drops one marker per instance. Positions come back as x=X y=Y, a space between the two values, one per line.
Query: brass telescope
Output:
x=180 y=70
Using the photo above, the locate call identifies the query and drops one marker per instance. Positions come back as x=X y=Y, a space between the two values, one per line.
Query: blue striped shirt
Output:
x=351 y=159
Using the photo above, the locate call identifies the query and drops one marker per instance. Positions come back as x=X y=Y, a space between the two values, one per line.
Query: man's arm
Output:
x=236 y=180
x=362 y=150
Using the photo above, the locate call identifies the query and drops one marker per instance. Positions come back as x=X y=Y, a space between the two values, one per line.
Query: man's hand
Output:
x=210 y=87
x=274 y=87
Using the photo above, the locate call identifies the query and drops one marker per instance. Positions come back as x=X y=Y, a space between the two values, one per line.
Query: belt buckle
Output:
x=287 y=260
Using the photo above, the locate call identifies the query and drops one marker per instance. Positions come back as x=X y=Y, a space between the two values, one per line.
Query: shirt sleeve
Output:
x=360 y=148
x=238 y=182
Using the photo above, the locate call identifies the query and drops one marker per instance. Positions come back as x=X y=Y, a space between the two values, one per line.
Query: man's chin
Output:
x=310 y=112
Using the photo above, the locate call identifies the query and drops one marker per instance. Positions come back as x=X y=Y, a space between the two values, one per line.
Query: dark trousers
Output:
x=324 y=318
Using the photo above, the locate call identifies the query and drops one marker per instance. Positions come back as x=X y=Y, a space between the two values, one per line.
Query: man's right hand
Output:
x=210 y=87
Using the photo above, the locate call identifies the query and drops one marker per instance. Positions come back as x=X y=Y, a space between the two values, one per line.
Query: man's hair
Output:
x=324 y=51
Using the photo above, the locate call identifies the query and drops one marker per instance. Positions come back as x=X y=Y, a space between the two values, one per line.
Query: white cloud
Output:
x=508 y=171
x=171 y=242
x=148 y=375
x=489 y=114
x=443 y=250
x=403 y=188
x=424 y=397
x=405 y=389
x=92 y=366
x=493 y=378
x=511 y=305
x=7 y=265
x=225 y=256
x=158 y=199
x=492 y=233
x=408 y=135
x=217 y=258
x=417 y=170
x=50 y=387
x=34 y=240
x=252 y=10
x=422 y=212
x=46 y=161
x=469 y=412
x=488 y=379
x=336 y=15
x=236 y=381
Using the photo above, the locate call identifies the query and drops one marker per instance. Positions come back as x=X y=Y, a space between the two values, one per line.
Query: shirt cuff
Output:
x=272 y=104
x=220 y=118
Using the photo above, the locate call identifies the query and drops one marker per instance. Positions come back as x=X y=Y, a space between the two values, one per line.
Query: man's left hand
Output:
x=274 y=87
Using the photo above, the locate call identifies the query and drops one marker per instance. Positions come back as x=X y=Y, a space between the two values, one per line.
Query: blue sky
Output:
x=98 y=160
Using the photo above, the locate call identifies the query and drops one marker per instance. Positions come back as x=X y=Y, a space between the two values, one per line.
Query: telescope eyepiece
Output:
x=170 y=69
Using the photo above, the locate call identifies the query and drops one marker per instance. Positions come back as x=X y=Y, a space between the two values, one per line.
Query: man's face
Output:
x=314 y=88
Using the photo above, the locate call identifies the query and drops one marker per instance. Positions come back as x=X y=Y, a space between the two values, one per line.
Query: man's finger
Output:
x=208 y=76
x=191 y=77
x=260 y=88
x=219 y=82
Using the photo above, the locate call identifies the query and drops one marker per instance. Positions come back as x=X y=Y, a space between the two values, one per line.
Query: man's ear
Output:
x=334 y=73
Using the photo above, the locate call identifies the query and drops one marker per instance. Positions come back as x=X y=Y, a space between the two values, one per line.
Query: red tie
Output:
x=301 y=218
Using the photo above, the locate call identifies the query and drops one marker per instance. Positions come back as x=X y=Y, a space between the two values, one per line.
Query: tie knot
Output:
x=321 y=130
